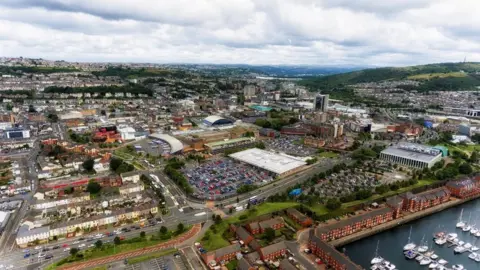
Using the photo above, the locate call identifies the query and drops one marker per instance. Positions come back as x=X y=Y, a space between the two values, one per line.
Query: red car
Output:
x=65 y=245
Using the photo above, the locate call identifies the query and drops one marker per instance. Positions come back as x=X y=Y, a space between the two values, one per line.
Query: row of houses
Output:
x=28 y=233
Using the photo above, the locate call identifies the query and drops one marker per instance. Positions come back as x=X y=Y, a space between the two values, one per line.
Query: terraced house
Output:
x=354 y=224
x=421 y=201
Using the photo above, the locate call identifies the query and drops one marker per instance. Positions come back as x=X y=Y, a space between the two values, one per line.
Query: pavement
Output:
x=174 y=243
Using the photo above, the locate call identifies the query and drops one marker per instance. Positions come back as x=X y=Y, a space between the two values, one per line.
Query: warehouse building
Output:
x=221 y=146
x=279 y=164
x=412 y=155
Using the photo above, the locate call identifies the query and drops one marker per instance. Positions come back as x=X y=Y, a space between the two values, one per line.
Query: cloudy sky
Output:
x=323 y=32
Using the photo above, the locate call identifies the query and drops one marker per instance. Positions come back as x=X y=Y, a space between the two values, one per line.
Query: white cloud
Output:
x=362 y=32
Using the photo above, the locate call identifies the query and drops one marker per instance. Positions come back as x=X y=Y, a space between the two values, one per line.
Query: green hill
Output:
x=433 y=77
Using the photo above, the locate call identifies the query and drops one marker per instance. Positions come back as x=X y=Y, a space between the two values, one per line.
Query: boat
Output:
x=473 y=255
x=434 y=256
x=422 y=249
x=451 y=237
x=460 y=243
x=442 y=261
x=440 y=241
x=441 y=267
x=466 y=228
x=468 y=246
x=419 y=257
x=458 y=267
x=460 y=224
x=477 y=259
x=433 y=265
x=409 y=245
x=410 y=254
x=426 y=261
x=439 y=235
x=474 y=248
x=377 y=267
x=429 y=253
x=459 y=249
x=377 y=259
x=473 y=230
x=477 y=234
x=388 y=265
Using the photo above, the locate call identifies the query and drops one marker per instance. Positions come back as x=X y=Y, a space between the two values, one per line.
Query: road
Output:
x=15 y=256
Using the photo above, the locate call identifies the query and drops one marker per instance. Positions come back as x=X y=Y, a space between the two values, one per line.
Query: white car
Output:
x=38 y=247
x=66 y=249
x=81 y=245
x=9 y=267
x=76 y=242
x=41 y=255
x=91 y=245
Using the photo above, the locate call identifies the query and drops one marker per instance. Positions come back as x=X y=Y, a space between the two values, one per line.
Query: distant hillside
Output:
x=433 y=77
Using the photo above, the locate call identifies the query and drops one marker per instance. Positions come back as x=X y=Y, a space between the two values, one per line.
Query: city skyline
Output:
x=321 y=33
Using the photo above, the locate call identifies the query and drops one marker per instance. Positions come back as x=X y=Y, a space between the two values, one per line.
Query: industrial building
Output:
x=412 y=155
x=221 y=146
x=272 y=162
x=17 y=133
x=215 y=120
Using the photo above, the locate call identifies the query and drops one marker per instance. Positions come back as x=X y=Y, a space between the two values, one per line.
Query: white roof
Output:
x=213 y=118
x=268 y=160
x=127 y=129
x=174 y=143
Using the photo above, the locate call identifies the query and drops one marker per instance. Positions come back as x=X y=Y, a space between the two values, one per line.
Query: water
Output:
x=392 y=241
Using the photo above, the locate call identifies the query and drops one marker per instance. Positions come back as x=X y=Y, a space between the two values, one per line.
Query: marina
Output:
x=444 y=240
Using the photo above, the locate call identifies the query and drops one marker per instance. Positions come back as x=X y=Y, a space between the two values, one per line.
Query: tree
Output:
x=52 y=117
x=115 y=163
x=269 y=234
x=238 y=200
x=180 y=227
x=474 y=157
x=163 y=230
x=93 y=187
x=117 y=240
x=77 y=229
x=333 y=204
x=31 y=109
x=142 y=234
x=9 y=107
x=230 y=210
x=74 y=251
x=218 y=219
x=465 y=168
x=98 y=244
x=88 y=164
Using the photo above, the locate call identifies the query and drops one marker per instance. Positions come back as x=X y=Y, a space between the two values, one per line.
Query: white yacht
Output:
x=466 y=228
x=377 y=267
x=458 y=267
x=474 y=248
x=433 y=265
x=477 y=259
x=473 y=230
x=388 y=265
x=434 y=256
x=460 y=223
x=426 y=261
x=459 y=249
x=442 y=262
x=451 y=236
x=429 y=253
x=377 y=259
x=409 y=245
x=473 y=255
x=419 y=257
x=468 y=246
x=440 y=241
x=477 y=234
x=460 y=243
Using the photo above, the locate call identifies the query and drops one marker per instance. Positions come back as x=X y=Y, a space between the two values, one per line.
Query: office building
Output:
x=412 y=155
x=321 y=103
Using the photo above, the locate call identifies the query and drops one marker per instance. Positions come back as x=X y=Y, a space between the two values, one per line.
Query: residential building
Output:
x=286 y=265
x=273 y=251
x=299 y=217
x=224 y=254
x=26 y=235
x=259 y=227
x=421 y=201
x=244 y=264
x=328 y=254
x=242 y=234
x=130 y=188
x=464 y=188
x=132 y=176
x=354 y=224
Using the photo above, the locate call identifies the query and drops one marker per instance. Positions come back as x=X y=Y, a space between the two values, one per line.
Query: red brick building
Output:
x=464 y=188
x=259 y=227
x=222 y=255
x=299 y=217
x=242 y=234
x=396 y=203
x=328 y=254
x=273 y=251
x=424 y=200
x=355 y=224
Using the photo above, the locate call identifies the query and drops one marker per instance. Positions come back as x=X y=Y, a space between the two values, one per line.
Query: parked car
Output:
x=49 y=256
x=26 y=255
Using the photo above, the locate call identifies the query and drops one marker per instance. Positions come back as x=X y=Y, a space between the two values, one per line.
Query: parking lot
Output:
x=291 y=145
x=162 y=263
x=153 y=147
x=222 y=177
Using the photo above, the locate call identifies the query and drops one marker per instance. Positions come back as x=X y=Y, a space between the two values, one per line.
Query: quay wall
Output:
x=399 y=221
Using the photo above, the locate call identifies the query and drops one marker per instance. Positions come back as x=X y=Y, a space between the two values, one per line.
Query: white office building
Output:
x=412 y=155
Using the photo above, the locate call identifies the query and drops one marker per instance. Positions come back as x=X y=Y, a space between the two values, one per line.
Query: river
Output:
x=391 y=242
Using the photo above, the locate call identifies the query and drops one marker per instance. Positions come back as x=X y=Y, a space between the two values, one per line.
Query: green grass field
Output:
x=216 y=239
x=428 y=76
x=319 y=209
x=328 y=154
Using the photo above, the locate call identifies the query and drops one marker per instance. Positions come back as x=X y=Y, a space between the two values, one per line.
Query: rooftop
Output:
x=268 y=160
x=409 y=153
x=219 y=143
